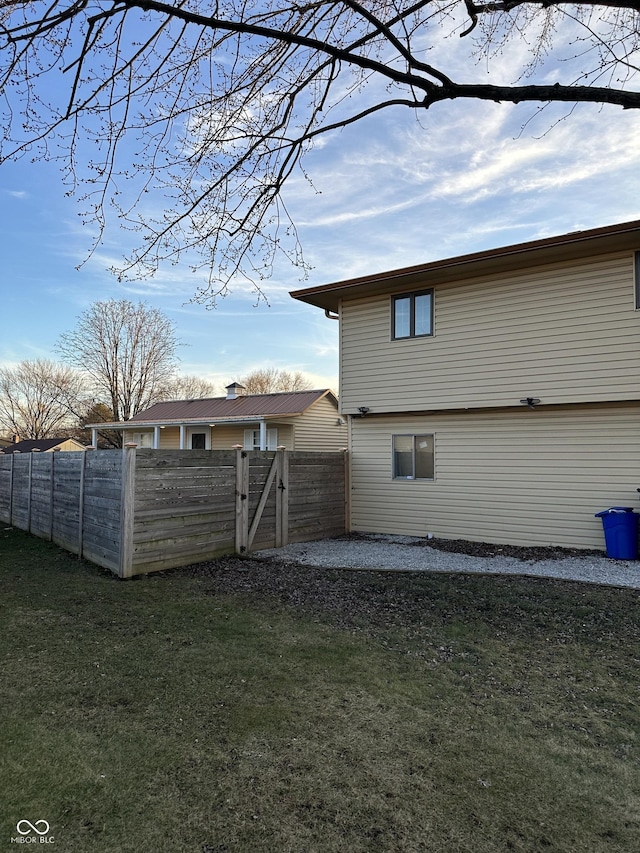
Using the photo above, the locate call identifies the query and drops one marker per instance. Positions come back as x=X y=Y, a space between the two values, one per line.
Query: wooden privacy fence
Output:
x=137 y=510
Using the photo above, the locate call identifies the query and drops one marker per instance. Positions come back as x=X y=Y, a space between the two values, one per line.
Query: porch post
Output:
x=156 y=437
x=183 y=436
x=263 y=434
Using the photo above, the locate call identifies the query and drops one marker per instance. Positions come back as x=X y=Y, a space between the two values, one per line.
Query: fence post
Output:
x=11 y=490
x=83 y=460
x=51 y=494
x=282 y=498
x=126 y=510
x=29 y=492
x=242 y=501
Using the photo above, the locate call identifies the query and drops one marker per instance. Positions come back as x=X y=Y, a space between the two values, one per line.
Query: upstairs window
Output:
x=412 y=315
x=413 y=457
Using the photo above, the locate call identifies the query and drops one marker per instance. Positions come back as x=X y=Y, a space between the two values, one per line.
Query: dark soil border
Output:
x=526 y=553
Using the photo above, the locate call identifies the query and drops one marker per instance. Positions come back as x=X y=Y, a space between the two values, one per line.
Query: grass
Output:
x=250 y=707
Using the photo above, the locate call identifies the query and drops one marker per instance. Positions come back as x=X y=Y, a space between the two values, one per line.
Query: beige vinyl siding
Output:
x=520 y=477
x=170 y=438
x=564 y=333
x=225 y=437
x=68 y=446
x=318 y=428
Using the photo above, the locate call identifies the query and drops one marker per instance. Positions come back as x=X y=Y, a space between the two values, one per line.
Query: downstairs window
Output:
x=413 y=457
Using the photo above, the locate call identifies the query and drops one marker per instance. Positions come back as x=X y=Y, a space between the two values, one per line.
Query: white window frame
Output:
x=252 y=439
x=145 y=438
x=199 y=431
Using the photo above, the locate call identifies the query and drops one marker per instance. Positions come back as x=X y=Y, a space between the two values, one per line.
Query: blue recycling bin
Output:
x=620 y=525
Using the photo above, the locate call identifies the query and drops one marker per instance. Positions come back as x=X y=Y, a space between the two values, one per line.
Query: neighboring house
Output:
x=43 y=445
x=297 y=420
x=494 y=396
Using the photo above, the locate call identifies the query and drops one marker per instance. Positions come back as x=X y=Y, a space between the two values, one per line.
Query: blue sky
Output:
x=392 y=191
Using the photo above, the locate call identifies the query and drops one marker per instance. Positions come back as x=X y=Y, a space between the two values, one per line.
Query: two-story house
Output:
x=494 y=396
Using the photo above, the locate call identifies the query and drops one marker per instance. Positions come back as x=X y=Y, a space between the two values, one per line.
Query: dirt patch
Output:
x=381 y=604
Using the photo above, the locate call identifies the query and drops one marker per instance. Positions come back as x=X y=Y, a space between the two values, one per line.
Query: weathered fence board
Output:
x=73 y=499
x=140 y=510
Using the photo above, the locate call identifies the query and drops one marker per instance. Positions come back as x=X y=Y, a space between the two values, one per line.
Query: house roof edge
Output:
x=327 y=296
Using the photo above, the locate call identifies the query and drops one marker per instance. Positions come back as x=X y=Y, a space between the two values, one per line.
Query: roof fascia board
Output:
x=548 y=250
x=136 y=425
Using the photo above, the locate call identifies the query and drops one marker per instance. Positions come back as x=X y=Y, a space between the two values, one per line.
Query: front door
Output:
x=198 y=441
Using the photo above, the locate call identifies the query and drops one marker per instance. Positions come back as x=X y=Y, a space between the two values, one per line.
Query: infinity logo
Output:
x=32 y=827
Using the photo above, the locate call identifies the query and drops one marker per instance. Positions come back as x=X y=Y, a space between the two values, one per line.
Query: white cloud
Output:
x=397 y=189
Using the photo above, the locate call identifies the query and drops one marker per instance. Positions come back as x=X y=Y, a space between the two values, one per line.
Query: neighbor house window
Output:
x=637 y=272
x=252 y=439
x=413 y=457
x=412 y=315
x=143 y=439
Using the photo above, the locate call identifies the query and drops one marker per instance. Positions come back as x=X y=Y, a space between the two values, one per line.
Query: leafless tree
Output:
x=223 y=100
x=97 y=413
x=269 y=380
x=187 y=388
x=127 y=351
x=38 y=398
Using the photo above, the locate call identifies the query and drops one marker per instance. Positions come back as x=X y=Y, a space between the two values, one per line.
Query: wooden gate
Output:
x=248 y=518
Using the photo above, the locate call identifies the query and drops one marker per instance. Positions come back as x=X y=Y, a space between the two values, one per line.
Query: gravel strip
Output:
x=409 y=554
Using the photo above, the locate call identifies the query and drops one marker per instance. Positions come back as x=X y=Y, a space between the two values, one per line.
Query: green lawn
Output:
x=242 y=706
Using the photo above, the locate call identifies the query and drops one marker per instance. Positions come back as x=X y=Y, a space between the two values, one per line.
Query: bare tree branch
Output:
x=224 y=101
x=270 y=380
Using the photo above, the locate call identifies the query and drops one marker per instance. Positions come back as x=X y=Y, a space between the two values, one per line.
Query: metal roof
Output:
x=247 y=407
